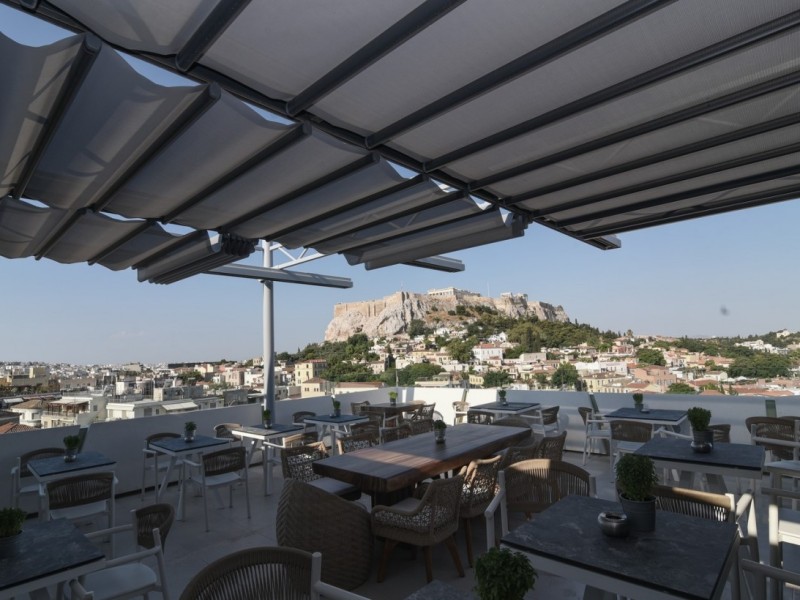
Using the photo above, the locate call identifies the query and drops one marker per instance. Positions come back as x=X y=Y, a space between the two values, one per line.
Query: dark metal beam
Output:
x=407 y=27
x=669 y=179
x=188 y=117
x=725 y=138
x=143 y=226
x=210 y=29
x=678 y=66
x=729 y=205
x=406 y=213
x=78 y=72
x=173 y=246
x=686 y=195
x=320 y=217
x=580 y=36
x=269 y=274
x=364 y=162
x=293 y=136
x=53 y=238
x=691 y=112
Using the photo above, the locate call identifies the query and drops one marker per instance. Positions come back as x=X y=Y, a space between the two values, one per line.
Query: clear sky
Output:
x=732 y=274
x=671 y=280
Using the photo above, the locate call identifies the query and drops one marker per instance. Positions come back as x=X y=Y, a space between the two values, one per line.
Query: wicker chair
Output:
x=628 y=436
x=420 y=426
x=150 y=458
x=481 y=417
x=297 y=461
x=460 y=409
x=223 y=430
x=20 y=474
x=522 y=451
x=776 y=428
x=264 y=572
x=377 y=418
x=512 y=422
x=222 y=468
x=425 y=522
x=551 y=447
x=531 y=486
x=363 y=438
x=310 y=431
x=424 y=411
x=127 y=576
x=356 y=408
x=722 y=433
x=550 y=419
x=304 y=521
x=480 y=487
x=401 y=432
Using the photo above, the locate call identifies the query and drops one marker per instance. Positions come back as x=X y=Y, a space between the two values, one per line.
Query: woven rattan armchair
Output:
x=628 y=436
x=550 y=419
x=551 y=447
x=480 y=487
x=401 y=432
x=460 y=410
x=425 y=522
x=362 y=438
x=297 y=461
x=525 y=450
x=481 y=417
x=310 y=433
x=722 y=433
x=424 y=411
x=222 y=468
x=377 y=418
x=311 y=519
x=782 y=429
x=264 y=573
x=81 y=496
x=419 y=426
x=223 y=430
x=357 y=407
x=512 y=422
x=530 y=486
x=21 y=475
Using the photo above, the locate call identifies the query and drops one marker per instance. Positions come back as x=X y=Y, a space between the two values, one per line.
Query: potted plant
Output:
x=393 y=398
x=703 y=437
x=337 y=407
x=188 y=431
x=503 y=575
x=636 y=476
x=439 y=428
x=11 y=520
x=638 y=401
x=266 y=415
x=501 y=394
x=71 y=445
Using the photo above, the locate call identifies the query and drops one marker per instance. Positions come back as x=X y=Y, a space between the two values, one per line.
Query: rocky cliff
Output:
x=393 y=314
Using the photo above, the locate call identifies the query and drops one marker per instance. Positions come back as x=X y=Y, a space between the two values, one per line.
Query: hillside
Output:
x=393 y=314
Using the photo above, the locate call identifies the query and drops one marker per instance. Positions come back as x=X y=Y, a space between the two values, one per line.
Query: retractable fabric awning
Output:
x=377 y=130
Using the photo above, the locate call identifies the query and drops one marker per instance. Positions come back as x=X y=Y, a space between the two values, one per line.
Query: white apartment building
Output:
x=485 y=352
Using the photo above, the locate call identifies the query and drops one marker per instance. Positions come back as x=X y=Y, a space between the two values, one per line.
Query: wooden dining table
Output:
x=398 y=465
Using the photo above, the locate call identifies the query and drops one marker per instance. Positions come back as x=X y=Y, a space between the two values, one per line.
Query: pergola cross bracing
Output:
x=395 y=131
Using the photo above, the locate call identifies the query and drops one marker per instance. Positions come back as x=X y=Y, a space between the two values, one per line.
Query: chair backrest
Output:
x=586 y=413
x=480 y=417
x=533 y=485
x=229 y=460
x=436 y=514
x=551 y=447
x=460 y=406
x=401 y=432
x=770 y=408
x=425 y=411
x=480 y=485
x=375 y=416
x=24 y=459
x=523 y=451
x=264 y=572
x=722 y=432
x=364 y=438
x=550 y=415
x=782 y=429
x=79 y=490
x=357 y=407
x=156 y=516
x=630 y=431
x=420 y=426
x=756 y=575
x=164 y=435
x=717 y=507
x=296 y=461
x=302 y=414
x=223 y=430
x=511 y=422
x=593 y=402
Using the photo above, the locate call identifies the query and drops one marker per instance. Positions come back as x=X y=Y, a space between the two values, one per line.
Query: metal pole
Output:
x=269 y=336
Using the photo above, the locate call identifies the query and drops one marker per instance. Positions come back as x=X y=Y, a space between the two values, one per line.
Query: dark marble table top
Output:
x=273 y=430
x=510 y=407
x=685 y=556
x=56 y=465
x=343 y=419
x=655 y=414
x=436 y=590
x=747 y=457
x=177 y=445
x=43 y=549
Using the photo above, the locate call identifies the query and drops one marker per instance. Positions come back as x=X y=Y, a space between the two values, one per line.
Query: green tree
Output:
x=541 y=380
x=496 y=379
x=680 y=388
x=417 y=327
x=565 y=376
x=461 y=350
x=650 y=356
x=411 y=374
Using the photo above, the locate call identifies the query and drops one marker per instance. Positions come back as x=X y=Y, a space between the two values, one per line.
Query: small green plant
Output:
x=503 y=575
x=439 y=424
x=392 y=397
x=699 y=418
x=11 y=520
x=337 y=405
x=266 y=414
x=501 y=393
x=190 y=426
x=638 y=399
x=636 y=476
x=71 y=442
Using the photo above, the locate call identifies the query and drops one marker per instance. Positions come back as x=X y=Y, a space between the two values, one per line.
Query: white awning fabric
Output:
x=378 y=129
x=179 y=406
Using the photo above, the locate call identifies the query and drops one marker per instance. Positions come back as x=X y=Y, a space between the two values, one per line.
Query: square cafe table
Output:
x=44 y=554
x=732 y=460
x=269 y=439
x=685 y=557
x=335 y=425
x=397 y=465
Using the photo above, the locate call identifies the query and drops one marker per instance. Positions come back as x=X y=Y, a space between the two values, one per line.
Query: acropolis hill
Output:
x=393 y=314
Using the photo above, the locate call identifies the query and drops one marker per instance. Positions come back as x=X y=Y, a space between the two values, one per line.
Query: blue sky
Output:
x=670 y=280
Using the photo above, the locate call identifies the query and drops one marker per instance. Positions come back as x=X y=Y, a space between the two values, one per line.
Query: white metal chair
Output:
x=755 y=577
x=223 y=468
x=127 y=576
x=597 y=429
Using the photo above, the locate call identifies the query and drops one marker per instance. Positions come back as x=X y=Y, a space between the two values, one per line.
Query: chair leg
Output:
x=428 y=563
x=388 y=546
x=451 y=545
x=205 y=507
x=468 y=532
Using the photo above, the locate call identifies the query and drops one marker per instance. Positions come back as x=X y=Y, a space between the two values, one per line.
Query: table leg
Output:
x=334 y=445
x=164 y=482
x=269 y=453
